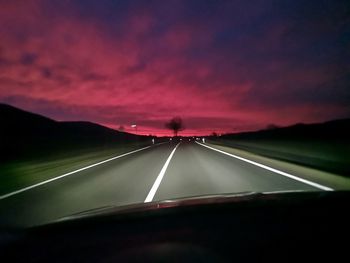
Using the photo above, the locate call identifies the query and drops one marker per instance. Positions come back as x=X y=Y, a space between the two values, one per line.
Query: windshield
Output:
x=113 y=103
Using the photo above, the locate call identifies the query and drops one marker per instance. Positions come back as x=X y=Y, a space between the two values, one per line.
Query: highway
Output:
x=166 y=171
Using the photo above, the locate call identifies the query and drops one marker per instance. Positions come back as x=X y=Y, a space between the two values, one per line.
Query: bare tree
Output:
x=175 y=124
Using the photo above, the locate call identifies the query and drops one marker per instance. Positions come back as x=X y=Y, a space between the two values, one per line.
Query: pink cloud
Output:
x=141 y=72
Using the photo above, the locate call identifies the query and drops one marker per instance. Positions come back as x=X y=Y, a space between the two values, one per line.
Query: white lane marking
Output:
x=157 y=182
x=319 y=186
x=73 y=172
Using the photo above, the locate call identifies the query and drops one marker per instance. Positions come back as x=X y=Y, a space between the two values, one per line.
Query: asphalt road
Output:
x=193 y=170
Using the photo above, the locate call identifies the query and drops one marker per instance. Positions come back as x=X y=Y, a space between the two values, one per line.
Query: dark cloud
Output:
x=94 y=77
x=28 y=59
x=46 y=72
x=140 y=66
x=233 y=64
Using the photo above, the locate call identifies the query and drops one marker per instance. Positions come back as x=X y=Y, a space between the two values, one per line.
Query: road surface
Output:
x=157 y=173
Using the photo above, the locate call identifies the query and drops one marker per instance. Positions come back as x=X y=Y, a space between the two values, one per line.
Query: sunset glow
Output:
x=223 y=66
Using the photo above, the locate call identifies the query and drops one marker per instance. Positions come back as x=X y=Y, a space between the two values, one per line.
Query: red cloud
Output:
x=143 y=71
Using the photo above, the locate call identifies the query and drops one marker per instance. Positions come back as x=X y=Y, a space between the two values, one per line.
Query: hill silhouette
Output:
x=330 y=130
x=25 y=134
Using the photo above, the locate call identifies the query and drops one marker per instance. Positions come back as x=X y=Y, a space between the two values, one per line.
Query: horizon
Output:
x=223 y=66
x=168 y=133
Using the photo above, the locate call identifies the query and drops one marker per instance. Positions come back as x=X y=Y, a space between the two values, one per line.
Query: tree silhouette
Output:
x=175 y=124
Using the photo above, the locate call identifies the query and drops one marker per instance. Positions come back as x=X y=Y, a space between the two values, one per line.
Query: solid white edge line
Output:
x=157 y=182
x=73 y=172
x=319 y=186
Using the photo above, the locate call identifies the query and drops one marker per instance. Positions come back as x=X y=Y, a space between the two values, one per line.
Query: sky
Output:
x=222 y=66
